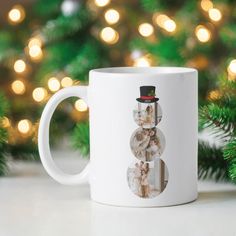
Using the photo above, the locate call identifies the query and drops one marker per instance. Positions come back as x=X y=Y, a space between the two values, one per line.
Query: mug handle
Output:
x=43 y=137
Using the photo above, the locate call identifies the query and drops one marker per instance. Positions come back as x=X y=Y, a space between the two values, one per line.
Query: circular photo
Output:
x=147 y=115
x=148 y=180
x=147 y=144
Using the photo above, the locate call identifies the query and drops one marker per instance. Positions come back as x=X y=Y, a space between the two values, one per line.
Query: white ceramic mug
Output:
x=143 y=136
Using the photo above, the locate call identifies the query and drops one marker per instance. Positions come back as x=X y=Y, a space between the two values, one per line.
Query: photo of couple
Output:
x=147 y=180
x=147 y=144
x=147 y=115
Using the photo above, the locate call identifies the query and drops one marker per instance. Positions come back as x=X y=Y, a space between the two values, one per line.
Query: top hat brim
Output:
x=147 y=100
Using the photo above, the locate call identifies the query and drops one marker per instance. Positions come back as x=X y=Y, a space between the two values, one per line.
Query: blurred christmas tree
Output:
x=4 y=122
x=53 y=44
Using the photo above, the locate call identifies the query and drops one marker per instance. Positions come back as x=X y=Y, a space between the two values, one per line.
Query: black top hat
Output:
x=147 y=94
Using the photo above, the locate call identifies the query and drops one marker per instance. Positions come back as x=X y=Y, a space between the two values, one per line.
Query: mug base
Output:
x=145 y=206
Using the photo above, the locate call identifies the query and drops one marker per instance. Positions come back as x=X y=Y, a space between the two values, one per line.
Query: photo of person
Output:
x=147 y=115
x=147 y=144
x=147 y=180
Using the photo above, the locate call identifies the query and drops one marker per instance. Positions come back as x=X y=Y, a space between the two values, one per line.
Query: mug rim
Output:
x=156 y=70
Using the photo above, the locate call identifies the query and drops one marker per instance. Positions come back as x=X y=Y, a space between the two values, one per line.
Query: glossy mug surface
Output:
x=143 y=136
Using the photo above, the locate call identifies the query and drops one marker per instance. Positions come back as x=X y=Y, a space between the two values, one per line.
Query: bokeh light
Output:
x=80 y=105
x=215 y=14
x=203 y=34
x=39 y=94
x=169 y=25
x=36 y=52
x=214 y=95
x=142 y=62
x=206 y=5
x=18 y=87
x=54 y=84
x=35 y=41
x=19 y=66
x=160 y=19
x=16 y=14
x=109 y=35
x=66 y=82
x=232 y=67
x=24 y=126
x=112 y=16
x=5 y=122
x=101 y=3
x=145 y=29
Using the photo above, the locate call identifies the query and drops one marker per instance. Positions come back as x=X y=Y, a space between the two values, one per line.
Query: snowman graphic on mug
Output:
x=147 y=175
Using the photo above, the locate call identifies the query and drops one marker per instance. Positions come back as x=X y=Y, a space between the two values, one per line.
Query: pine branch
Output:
x=3 y=162
x=65 y=26
x=228 y=34
x=229 y=153
x=26 y=151
x=150 y=5
x=3 y=135
x=220 y=120
x=87 y=59
x=80 y=138
x=211 y=162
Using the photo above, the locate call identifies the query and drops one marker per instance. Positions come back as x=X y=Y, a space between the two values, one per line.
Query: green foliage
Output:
x=46 y=9
x=80 y=138
x=228 y=35
x=211 y=162
x=220 y=118
x=168 y=52
x=6 y=46
x=23 y=151
x=65 y=26
x=87 y=59
x=150 y=5
x=71 y=47
x=3 y=135
x=229 y=153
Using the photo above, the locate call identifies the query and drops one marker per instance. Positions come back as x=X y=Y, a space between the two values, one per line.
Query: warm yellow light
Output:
x=202 y=33
x=145 y=29
x=39 y=94
x=5 y=122
x=142 y=62
x=19 y=66
x=214 y=95
x=206 y=5
x=80 y=105
x=24 y=126
x=215 y=14
x=169 y=25
x=66 y=82
x=53 y=84
x=232 y=67
x=18 y=87
x=160 y=19
x=35 y=52
x=35 y=41
x=101 y=3
x=16 y=14
x=112 y=16
x=109 y=35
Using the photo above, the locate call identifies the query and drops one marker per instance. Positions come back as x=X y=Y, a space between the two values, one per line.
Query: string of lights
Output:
x=110 y=35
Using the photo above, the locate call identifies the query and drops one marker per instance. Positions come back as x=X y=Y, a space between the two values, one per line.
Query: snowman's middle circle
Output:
x=147 y=144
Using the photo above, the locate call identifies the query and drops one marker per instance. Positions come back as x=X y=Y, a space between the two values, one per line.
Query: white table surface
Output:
x=32 y=204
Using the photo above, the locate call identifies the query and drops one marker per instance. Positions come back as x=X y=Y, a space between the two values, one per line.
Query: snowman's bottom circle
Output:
x=147 y=179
